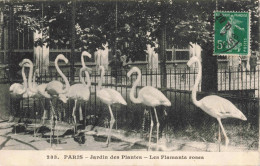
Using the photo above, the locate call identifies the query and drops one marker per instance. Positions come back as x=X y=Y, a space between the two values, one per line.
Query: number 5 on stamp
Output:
x=232 y=33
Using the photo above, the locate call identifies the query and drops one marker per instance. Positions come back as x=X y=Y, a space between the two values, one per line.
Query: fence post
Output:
x=10 y=41
x=209 y=81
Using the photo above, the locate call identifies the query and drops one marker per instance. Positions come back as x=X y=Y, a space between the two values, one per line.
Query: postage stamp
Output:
x=232 y=33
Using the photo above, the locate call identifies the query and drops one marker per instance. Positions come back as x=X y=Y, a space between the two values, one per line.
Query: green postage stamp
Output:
x=232 y=33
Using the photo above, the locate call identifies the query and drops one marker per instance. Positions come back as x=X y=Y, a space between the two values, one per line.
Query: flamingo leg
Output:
x=44 y=113
x=157 y=127
x=219 y=138
x=52 y=122
x=80 y=113
x=223 y=130
x=74 y=116
x=112 y=121
x=151 y=129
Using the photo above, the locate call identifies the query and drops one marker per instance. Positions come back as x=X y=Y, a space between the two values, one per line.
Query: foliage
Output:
x=138 y=23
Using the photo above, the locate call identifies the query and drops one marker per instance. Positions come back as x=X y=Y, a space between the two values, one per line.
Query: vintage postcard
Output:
x=129 y=82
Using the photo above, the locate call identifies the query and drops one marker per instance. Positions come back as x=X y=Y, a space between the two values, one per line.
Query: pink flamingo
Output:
x=80 y=92
x=55 y=88
x=213 y=105
x=109 y=97
x=149 y=96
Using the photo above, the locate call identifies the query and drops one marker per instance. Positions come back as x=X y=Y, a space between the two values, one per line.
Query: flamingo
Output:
x=16 y=89
x=73 y=95
x=109 y=97
x=213 y=105
x=80 y=92
x=39 y=90
x=29 y=93
x=55 y=88
x=148 y=96
x=32 y=90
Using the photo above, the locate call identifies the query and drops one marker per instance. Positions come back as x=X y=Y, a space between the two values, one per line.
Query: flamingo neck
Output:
x=32 y=87
x=133 y=89
x=86 y=72
x=80 y=76
x=101 y=78
x=88 y=79
x=67 y=85
x=197 y=81
x=30 y=76
x=82 y=61
x=24 y=80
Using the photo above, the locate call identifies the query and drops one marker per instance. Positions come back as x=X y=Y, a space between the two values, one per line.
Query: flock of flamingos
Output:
x=213 y=105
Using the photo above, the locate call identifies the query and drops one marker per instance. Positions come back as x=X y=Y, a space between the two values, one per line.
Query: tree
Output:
x=182 y=21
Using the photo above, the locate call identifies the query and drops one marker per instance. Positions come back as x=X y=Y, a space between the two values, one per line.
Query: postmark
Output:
x=231 y=33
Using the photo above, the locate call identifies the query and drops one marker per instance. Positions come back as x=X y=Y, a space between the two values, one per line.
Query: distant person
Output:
x=124 y=62
x=253 y=63
x=116 y=66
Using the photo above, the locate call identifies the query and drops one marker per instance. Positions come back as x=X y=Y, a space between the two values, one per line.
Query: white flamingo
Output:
x=213 y=105
x=109 y=97
x=148 y=96
x=32 y=91
x=29 y=93
x=55 y=88
x=16 y=89
x=80 y=92
x=40 y=93
x=70 y=95
x=35 y=90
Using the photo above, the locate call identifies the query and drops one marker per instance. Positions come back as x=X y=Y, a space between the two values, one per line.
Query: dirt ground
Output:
x=95 y=140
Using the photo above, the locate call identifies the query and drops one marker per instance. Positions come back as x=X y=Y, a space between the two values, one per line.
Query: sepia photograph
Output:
x=156 y=81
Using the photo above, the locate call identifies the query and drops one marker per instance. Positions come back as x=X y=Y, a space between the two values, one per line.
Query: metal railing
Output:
x=179 y=84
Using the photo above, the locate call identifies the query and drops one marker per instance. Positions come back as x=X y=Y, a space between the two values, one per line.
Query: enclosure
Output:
x=71 y=27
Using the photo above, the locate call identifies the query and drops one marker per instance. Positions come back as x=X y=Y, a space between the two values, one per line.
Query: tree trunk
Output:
x=209 y=71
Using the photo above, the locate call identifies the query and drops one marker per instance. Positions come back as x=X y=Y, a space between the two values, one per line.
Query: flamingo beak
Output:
x=66 y=61
x=189 y=63
x=128 y=74
x=89 y=69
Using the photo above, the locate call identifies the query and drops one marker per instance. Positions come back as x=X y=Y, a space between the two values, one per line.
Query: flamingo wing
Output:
x=219 y=107
x=110 y=96
x=116 y=96
x=150 y=93
x=16 y=89
x=150 y=100
x=104 y=96
x=14 y=86
x=79 y=91
x=42 y=91
x=54 y=87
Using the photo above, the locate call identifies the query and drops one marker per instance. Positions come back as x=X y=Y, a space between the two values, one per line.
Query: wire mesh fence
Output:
x=240 y=87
